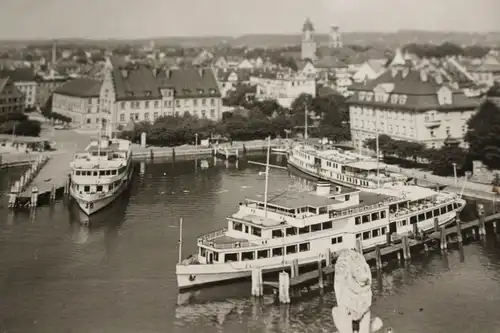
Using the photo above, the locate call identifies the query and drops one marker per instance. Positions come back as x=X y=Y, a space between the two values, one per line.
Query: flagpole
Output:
x=377 y=151
x=180 y=241
x=267 y=175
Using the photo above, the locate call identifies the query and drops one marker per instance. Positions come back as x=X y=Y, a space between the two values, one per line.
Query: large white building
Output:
x=142 y=93
x=411 y=105
x=283 y=87
x=24 y=80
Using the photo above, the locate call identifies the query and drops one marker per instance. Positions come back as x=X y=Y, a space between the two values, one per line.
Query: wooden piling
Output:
x=378 y=257
x=244 y=150
x=257 y=282
x=151 y=154
x=480 y=212
x=14 y=192
x=436 y=224
x=295 y=268
x=399 y=255
x=284 y=288
x=34 y=197
x=320 y=273
x=53 y=193
x=406 y=248
x=359 y=246
x=459 y=229
x=236 y=152
x=415 y=230
x=67 y=185
x=426 y=248
x=443 y=240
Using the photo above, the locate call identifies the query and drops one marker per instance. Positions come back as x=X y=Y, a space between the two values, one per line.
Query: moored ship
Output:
x=101 y=173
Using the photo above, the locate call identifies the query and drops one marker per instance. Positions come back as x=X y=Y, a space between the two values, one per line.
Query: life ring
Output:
x=192 y=277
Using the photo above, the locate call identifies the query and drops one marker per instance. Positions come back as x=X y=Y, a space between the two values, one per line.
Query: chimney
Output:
x=423 y=75
x=124 y=72
x=201 y=71
x=323 y=189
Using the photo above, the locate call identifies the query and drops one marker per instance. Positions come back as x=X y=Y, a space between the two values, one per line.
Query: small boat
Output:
x=280 y=150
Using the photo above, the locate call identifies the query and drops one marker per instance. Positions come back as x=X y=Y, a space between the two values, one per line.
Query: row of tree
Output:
x=446 y=49
x=18 y=123
x=54 y=116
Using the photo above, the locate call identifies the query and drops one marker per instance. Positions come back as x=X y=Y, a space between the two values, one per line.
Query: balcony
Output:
x=432 y=123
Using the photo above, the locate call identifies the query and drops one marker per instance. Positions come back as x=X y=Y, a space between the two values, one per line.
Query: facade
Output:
x=487 y=72
x=46 y=85
x=369 y=70
x=142 y=93
x=79 y=100
x=410 y=105
x=284 y=88
x=308 y=44
x=24 y=80
x=11 y=99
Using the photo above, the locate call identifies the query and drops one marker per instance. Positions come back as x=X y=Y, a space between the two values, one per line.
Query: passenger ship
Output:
x=341 y=167
x=302 y=224
x=101 y=173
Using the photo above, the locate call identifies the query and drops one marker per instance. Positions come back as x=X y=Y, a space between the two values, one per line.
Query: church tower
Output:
x=308 y=45
x=335 y=38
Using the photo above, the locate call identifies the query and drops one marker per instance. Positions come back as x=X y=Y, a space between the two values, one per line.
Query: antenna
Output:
x=267 y=174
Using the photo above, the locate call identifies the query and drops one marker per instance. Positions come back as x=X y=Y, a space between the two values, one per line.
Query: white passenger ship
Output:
x=304 y=224
x=339 y=166
x=101 y=173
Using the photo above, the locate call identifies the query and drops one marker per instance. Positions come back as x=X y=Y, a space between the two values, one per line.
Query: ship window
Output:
x=228 y=257
x=375 y=233
x=366 y=235
x=449 y=208
x=403 y=223
x=428 y=215
x=358 y=236
x=108 y=172
x=455 y=205
x=95 y=173
x=203 y=251
x=316 y=227
x=413 y=220
x=443 y=210
x=336 y=240
x=278 y=251
x=247 y=256
x=436 y=212
x=366 y=218
x=303 y=230
x=86 y=188
x=357 y=220
x=111 y=186
x=291 y=231
x=382 y=214
x=102 y=173
x=247 y=228
x=384 y=230
x=323 y=210
x=256 y=231
x=216 y=256
x=277 y=233
x=99 y=188
x=113 y=172
x=290 y=249
x=421 y=217
x=303 y=247
x=327 y=225
x=237 y=226
x=77 y=173
x=375 y=216
x=262 y=254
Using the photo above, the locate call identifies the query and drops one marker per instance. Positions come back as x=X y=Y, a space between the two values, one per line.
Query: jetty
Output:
x=401 y=248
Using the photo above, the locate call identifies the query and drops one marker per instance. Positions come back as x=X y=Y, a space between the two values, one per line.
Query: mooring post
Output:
x=53 y=193
x=34 y=197
x=480 y=212
x=173 y=153
x=388 y=237
x=237 y=154
x=257 y=282
x=284 y=288
x=436 y=224
x=151 y=154
x=359 y=246
x=295 y=268
x=406 y=248
x=14 y=191
x=67 y=184
x=459 y=229
x=426 y=248
x=443 y=241
x=244 y=150
x=378 y=257
x=415 y=230
x=320 y=273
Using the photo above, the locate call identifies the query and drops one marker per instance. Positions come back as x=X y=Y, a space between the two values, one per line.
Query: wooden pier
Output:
x=401 y=248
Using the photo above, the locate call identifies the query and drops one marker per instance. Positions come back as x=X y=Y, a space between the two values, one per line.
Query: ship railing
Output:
x=212 y=235
x=424 y=206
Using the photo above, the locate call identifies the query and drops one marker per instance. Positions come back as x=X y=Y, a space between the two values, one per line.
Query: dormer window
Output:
x=147 y=93
x=402 y=99
x=380 y=97
x=362 y=95
x=200 y=91
x=369 y=96
x=444 y=96
x=129 y=93
x=212 y=91
x=185 y=91
x=394 y=99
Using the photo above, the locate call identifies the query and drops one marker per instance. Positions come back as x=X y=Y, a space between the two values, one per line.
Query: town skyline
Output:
x=57 y=19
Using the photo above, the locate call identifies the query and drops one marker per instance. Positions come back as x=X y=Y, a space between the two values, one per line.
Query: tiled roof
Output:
x=5 y=83
x=81 y=87
x=421 y=95
x=19 y=74
x=141 y=83
x=329 y=62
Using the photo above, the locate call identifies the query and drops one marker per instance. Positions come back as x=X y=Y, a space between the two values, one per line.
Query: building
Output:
x=283 y=87
x=335 y=38
x=24 y=80
x=79 y=100
x=46 y=85
x=11 y=99
x=142 y=93
x=411 y=105
x=308 y=44
x=369 y=70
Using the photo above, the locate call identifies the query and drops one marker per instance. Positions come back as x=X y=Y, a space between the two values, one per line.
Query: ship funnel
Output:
x=323 y=189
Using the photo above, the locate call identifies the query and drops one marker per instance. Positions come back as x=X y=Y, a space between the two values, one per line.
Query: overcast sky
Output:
x=156 y=18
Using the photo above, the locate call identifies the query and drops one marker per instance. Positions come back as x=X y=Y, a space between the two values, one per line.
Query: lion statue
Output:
x=353 y=280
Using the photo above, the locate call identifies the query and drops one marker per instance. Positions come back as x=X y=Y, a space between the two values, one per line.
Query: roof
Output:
x=141 y=83
x=420 y=94
x=19 y=74
x=308 y=26
x=5 y=83
x=81 y=87
x=298 y=199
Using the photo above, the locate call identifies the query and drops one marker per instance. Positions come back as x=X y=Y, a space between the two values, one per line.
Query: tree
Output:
x=47 y=108
x=441 y=160
x=482 y=135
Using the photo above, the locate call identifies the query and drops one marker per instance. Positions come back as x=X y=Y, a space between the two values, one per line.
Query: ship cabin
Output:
x=283 y=226
x=369 y=174
x=101 y=167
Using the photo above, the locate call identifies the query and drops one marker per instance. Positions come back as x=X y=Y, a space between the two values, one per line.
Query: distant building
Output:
x=141 y=93
x=335 y=38
x=411 y=105
x=11 y=98
x=369 y=70
x=308 y=44
x=24 y=80
x=79 y=100
x=282 y=87
x=46 y=85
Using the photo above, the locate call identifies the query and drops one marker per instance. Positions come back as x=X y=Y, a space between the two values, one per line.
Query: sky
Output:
x=33 y=19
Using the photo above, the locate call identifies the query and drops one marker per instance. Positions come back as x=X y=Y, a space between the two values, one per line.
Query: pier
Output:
x=402 y=248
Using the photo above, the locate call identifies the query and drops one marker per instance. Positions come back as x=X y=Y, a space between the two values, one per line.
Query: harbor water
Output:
x=118 y=274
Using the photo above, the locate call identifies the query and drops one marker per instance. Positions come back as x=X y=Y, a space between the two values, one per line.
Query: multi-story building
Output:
x=411 y=105
x=79 y=100
x=46 y=85
x=142 y=93
x=24 y=80
x=11 y=99
x=283 y=87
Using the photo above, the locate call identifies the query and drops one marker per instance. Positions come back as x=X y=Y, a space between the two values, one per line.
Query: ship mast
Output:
x=305 y=120
x=377 y=151
x=267 y=175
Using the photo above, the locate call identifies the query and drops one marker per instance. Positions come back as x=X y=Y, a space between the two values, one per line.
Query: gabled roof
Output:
x=19 y=74
x=81 y=87
x=6 y=83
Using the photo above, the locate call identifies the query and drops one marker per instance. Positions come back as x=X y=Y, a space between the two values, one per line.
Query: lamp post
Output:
x=455 y=173
x=196 y=141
